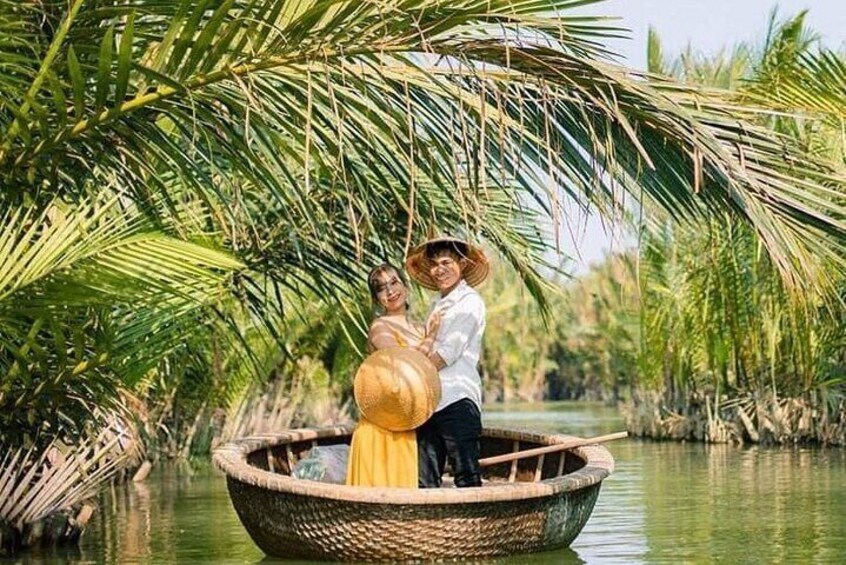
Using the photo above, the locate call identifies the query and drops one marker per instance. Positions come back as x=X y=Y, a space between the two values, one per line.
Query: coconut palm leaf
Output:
x=422 y=96
x=91 y=251
x=89 y=296
x=35 y=483
x=725 y=321
x=815 y=83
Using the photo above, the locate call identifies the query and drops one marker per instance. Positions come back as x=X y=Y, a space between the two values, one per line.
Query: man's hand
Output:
x=433 y=324
x=437 y=360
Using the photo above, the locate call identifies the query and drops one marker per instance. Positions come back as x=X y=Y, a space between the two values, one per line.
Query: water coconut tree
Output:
x=719 y=321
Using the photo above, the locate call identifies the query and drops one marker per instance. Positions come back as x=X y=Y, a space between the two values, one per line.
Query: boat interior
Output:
x=281 y=457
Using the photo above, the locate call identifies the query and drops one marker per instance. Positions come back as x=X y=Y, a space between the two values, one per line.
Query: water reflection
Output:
x=666 y=502
x=749 y=505
x=671 y=502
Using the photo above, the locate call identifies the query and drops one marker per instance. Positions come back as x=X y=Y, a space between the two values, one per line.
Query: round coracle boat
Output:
x=527 y=505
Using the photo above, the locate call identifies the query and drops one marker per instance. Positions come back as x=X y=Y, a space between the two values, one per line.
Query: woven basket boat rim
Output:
x=231 y=459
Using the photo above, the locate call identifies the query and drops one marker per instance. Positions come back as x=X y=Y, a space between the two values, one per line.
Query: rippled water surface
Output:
x=666 y=503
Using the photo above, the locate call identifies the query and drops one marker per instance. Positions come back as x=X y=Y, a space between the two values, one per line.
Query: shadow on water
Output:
x=665 y=503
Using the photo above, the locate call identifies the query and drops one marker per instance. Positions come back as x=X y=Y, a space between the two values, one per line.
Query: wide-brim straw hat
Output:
x=475 y=270
x=397 y=388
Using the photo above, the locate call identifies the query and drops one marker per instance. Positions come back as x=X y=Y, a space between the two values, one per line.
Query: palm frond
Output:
x=504 y=88
x=39 y=481
x=89 y=296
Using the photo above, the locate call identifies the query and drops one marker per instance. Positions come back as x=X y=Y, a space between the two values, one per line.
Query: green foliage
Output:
x=717 y=317
x=242 y=108
x=90 y=296
x=597 y=351
x=517 y=339
x=587 y=347
x=716 y=314
x=257 y=156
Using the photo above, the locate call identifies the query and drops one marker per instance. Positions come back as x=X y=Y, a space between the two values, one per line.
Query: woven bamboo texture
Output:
x=293 y=518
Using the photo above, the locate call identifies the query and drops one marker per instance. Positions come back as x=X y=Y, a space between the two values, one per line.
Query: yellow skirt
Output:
x=382 y=458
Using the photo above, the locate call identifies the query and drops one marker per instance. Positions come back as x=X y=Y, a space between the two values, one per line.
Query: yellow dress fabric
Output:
x=380 y=457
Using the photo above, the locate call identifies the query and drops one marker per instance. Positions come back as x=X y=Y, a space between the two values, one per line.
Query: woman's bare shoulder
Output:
x=379 y=325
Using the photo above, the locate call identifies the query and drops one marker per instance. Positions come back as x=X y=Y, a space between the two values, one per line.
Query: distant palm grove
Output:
x=192 y=192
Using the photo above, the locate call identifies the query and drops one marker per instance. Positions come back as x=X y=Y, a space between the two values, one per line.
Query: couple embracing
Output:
x=451 y=339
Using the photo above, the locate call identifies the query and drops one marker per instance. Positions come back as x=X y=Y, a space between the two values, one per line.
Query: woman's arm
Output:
x=381 y=336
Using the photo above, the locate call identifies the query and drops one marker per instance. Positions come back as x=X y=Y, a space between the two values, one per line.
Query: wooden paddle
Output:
x=573 y=443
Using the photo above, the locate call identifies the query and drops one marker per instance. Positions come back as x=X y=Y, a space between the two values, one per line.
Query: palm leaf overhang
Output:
x=94 y=299
x=91 y=290
x=304 y=129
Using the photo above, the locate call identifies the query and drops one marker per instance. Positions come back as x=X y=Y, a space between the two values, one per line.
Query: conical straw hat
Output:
x=397 y=388
x=475 y=271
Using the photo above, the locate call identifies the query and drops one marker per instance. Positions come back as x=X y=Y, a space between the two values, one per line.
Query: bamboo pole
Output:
x=571 y=444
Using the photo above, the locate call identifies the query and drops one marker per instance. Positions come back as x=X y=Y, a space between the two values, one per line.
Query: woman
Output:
x=380 y=457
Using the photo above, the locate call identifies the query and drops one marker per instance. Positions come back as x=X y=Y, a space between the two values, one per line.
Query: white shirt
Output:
x=459 y=343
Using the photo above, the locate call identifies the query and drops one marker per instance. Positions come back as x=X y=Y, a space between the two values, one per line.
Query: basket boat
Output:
x=525 y=506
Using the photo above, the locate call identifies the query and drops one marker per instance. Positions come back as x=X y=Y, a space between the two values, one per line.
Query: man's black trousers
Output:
x=453 y=433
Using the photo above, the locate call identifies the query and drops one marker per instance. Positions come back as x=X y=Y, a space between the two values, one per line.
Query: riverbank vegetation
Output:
x=730 y=352
x=192 y=192
x=707 y=341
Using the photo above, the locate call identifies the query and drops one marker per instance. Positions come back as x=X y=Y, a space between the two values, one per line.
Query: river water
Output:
x=665 y=503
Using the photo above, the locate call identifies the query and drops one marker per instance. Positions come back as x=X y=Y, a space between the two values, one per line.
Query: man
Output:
x=452 y=267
